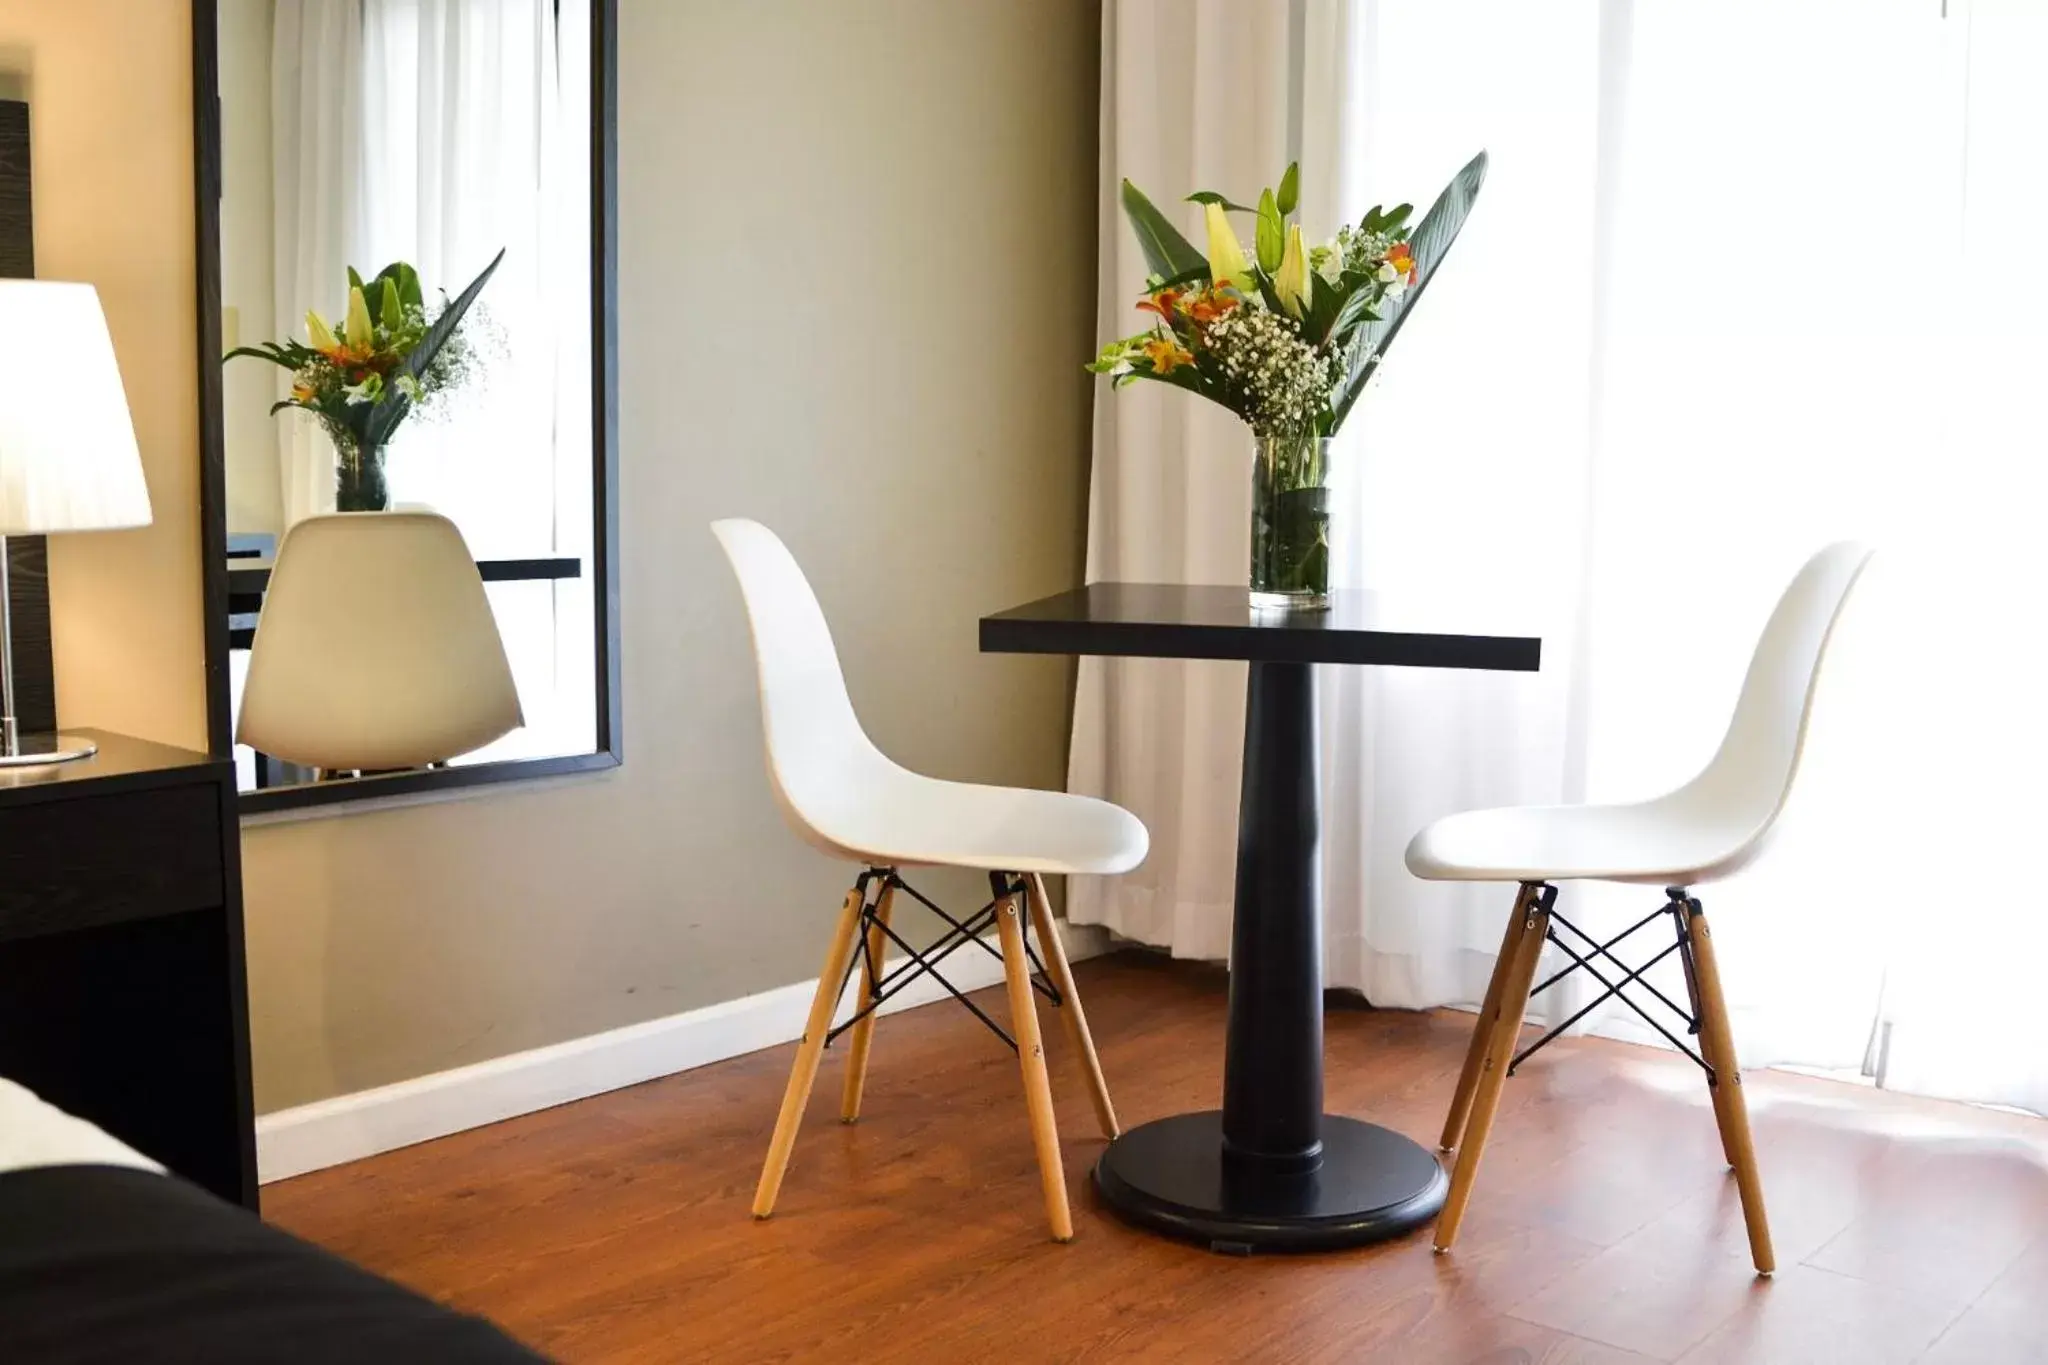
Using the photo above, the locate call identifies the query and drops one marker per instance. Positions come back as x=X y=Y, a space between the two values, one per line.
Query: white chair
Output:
x=1709 y=828
x=376 y=649
x=847 y=798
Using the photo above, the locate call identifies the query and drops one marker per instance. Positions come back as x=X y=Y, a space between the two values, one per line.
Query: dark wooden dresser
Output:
x=122 y=979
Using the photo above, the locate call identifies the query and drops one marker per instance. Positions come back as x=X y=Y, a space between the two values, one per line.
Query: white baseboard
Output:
x=349 y=1127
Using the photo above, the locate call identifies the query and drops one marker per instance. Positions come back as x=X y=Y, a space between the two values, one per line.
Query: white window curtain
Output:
x=432 y=131
x=1745 y=277
x=316 y=110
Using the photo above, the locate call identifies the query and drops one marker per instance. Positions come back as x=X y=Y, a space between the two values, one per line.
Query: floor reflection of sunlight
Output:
x=1774 y=1094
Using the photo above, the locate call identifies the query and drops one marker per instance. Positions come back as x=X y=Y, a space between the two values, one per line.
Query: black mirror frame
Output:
x=609 y=750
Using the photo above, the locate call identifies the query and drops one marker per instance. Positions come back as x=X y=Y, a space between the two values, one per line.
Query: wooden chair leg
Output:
x=1062 y=974
x=1507 y=1028
x=1031 y=1057
x=808 y=1050
x=1482 y=1028
x=1706 y=1043
x=1730 y=1109
x=861 y=1036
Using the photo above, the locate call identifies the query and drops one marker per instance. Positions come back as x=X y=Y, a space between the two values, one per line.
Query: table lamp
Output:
x=68 y=458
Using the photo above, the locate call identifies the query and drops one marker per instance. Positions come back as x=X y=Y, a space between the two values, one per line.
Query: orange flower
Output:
x=1164 y=303
x=1167 y=355
x=1403 y=260
x=1211 y=304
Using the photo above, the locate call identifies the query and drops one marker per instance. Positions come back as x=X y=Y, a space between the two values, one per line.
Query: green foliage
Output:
x=1167 y=253
x=1388 y=220
x=362 y=388
x=1430 y=243
x=387 y=414
x=1362 y=287
x=1211 y=197
x=1272 y=233
x=1290 y=188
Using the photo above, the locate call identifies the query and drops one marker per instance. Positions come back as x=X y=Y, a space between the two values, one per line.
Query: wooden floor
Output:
x=1604 y=1229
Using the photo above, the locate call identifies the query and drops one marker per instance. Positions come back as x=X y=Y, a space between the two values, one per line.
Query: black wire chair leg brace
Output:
x=1017 y=906
x=879 y=987
x=1704 y=1018
x=1680 y=908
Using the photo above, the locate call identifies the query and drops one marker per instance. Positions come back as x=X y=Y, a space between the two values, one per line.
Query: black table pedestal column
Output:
x=1271 y=1170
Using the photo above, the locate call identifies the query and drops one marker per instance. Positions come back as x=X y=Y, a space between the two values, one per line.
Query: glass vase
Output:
x=1291 y=523
x=359 y=484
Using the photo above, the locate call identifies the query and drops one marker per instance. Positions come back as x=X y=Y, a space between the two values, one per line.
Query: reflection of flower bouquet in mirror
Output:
x=392 y=354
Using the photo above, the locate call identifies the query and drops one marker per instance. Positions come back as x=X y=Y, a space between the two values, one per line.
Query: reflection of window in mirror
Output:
x=356 y=133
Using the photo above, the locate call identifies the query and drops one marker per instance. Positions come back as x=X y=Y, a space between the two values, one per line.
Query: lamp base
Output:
x=33 y=750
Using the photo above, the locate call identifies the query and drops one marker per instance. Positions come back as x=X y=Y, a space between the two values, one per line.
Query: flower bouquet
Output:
x=1286 y=338
x=391 y=355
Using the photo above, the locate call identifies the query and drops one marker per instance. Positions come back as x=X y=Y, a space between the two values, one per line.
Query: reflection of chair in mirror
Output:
x=376 y=649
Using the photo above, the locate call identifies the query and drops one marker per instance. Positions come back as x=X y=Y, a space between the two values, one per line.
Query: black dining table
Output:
x=1270 y=1169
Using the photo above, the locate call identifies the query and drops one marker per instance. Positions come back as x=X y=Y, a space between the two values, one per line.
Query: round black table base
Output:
x=1169 y=1176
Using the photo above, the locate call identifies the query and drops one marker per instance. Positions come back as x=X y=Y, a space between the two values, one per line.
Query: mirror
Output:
x=410 y=470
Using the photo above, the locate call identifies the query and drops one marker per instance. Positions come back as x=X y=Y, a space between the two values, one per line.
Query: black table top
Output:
x=1174 y=621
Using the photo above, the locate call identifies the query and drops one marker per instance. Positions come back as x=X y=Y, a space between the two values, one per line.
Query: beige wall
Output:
x=856 y=287
x=109 y=85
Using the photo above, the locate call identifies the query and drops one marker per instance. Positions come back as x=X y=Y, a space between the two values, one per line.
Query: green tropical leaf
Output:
x=1271 y=242
x=289 y=357
x=390 y=410
x=1211 y=197
x=408 y=282
x=1290 y=188
x=390 y=311
x=1357 y=309
x=1267 y=293
x=1167 y=253
x=1429 y=244
x=1326 y=305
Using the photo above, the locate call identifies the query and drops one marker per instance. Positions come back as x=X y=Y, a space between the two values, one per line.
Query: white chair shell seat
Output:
x=895 y=817
x=1710 y=827
x=1666 y=842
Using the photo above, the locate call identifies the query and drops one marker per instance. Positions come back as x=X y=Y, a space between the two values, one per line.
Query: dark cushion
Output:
x=102 y=1264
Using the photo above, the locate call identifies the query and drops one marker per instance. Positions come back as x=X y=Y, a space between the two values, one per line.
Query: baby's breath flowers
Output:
x=1284 y=381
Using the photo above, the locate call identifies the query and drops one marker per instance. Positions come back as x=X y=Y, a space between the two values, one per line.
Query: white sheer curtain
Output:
x=316 y=111
x=431 y=131
x=439 y=132
x=1746 y=277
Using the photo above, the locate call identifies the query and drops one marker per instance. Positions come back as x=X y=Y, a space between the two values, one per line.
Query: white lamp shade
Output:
x=68 y=458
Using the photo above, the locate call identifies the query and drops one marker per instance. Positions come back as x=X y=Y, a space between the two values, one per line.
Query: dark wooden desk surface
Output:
x=124 y=763
x=1176 y=621
x=123 y=993
x=249 y=576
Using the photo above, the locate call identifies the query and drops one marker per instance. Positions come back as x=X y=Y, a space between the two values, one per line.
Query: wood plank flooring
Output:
x=1604 y=1229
